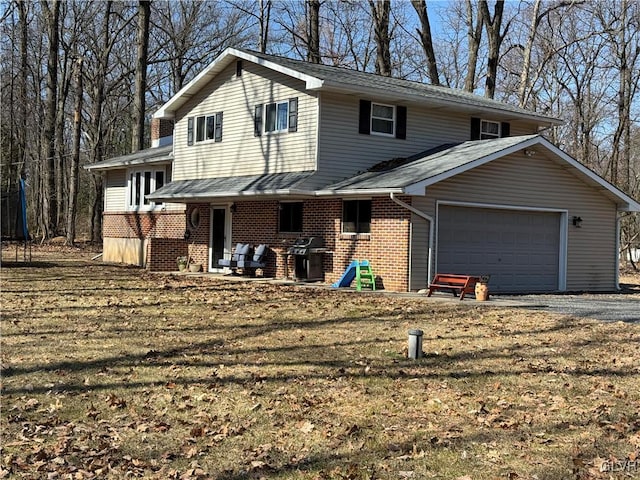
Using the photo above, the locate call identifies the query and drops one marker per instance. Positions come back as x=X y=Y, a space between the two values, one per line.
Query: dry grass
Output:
x=109 y=372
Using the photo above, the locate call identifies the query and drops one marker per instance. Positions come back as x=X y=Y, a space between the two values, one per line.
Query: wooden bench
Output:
x=456 y=284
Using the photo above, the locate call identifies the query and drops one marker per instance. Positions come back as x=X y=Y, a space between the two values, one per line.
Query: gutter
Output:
x=427 y=217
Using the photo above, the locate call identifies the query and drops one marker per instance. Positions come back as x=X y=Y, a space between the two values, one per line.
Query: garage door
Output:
x=519 y=249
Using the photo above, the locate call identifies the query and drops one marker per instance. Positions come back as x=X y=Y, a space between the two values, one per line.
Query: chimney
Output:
x=161 y=132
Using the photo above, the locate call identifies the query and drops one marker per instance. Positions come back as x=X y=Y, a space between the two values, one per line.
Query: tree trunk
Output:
x=265 y=16
x=75 y=159
x=474 y=36
x=494 y=38
x=24 y=65
x=380 y=10
x=526 y=56
x=49 y=208
x=144 y=15
x=313 y=53
x=424 y=32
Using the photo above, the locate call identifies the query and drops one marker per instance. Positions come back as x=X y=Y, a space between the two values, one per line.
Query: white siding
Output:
x=540 y=182
x=115 y=196
x=342 y=151
x=240 y=152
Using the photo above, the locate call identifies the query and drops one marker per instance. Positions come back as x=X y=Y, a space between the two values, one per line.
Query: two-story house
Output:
x=415 y=178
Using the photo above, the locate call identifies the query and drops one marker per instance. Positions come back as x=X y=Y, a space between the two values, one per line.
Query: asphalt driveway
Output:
x=614 y=307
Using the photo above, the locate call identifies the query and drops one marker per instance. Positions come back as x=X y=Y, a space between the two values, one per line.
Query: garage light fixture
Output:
x=577 y=221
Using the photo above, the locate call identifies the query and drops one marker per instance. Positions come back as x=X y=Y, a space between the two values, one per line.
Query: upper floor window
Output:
x=489 y=129
x=276 y=117
x=290 y=217
x=356 y=216
x=207 y=127
x=382 y=119
x=143 y=182
x=482 y=129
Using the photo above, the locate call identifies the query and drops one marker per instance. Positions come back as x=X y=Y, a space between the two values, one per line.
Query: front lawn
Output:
x=111 y=372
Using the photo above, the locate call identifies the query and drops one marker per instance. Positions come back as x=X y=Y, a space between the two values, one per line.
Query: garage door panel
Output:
x=519 y=249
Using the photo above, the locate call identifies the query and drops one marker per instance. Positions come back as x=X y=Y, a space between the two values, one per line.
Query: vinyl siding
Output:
x=115 y=195
x=419 y=252
x=342 y=151
x=240 y=152
x=540 y=182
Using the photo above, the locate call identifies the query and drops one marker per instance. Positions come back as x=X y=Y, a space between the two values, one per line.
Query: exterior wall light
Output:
x=577 y=221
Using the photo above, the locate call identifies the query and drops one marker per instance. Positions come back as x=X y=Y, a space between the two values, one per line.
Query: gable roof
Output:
x=344 y=80
x=158 y=155
x=418 y=172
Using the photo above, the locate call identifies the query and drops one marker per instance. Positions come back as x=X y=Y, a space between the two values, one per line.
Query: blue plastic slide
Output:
x=349 y=274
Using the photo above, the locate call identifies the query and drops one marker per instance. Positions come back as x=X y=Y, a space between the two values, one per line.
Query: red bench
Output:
x=456 y=284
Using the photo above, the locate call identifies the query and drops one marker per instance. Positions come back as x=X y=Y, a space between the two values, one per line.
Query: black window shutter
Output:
x=475 y=128
x=505 y=129
x=293 y=114
x=257 y=121
x=365 y=117
x=401 y=122
x=238 y=68
x=218 y=131
x=190 y=131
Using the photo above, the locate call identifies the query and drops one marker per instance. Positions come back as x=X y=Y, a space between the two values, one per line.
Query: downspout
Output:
x=429 y=218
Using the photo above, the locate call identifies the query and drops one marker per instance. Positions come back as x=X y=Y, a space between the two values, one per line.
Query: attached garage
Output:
x=522 y=250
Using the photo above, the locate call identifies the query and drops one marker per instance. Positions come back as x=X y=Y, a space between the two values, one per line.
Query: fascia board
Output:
x=205 y=76
x=359 y=191
x=130 y=163
x=231 y=194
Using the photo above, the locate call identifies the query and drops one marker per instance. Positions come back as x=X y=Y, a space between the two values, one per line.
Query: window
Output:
x=382 y=119
x=207 y=127
x=290 y=217
x=486 y=129
x=142 y=183
x=276 y=117
x=356 y=216
x=489 y=129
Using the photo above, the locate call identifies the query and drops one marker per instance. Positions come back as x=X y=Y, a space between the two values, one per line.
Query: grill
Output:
x=307 y=253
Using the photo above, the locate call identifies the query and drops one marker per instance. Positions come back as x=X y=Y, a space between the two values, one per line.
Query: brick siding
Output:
x=160 y=128
x=256 y=222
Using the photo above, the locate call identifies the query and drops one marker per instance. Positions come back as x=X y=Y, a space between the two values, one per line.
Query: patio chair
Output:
x=257 y=261
x=240 y=253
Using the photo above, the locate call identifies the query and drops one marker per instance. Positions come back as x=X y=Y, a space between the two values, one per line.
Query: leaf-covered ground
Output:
x=111 y=372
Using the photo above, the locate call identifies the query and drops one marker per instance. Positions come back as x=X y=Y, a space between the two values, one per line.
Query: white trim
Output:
x=617 y=271
x=563 y=240
x=393 y=120
x=227 y=235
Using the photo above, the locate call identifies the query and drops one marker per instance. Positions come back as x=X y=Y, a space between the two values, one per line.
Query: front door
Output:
x=219 y=243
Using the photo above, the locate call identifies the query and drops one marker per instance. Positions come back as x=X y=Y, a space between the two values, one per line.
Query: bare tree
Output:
x=474 y=37
x=142 y=42
x=313 y=54
x=494 y=37
x=75 y=159
x=380 y=10
x=424 y=33
x=48 y=213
